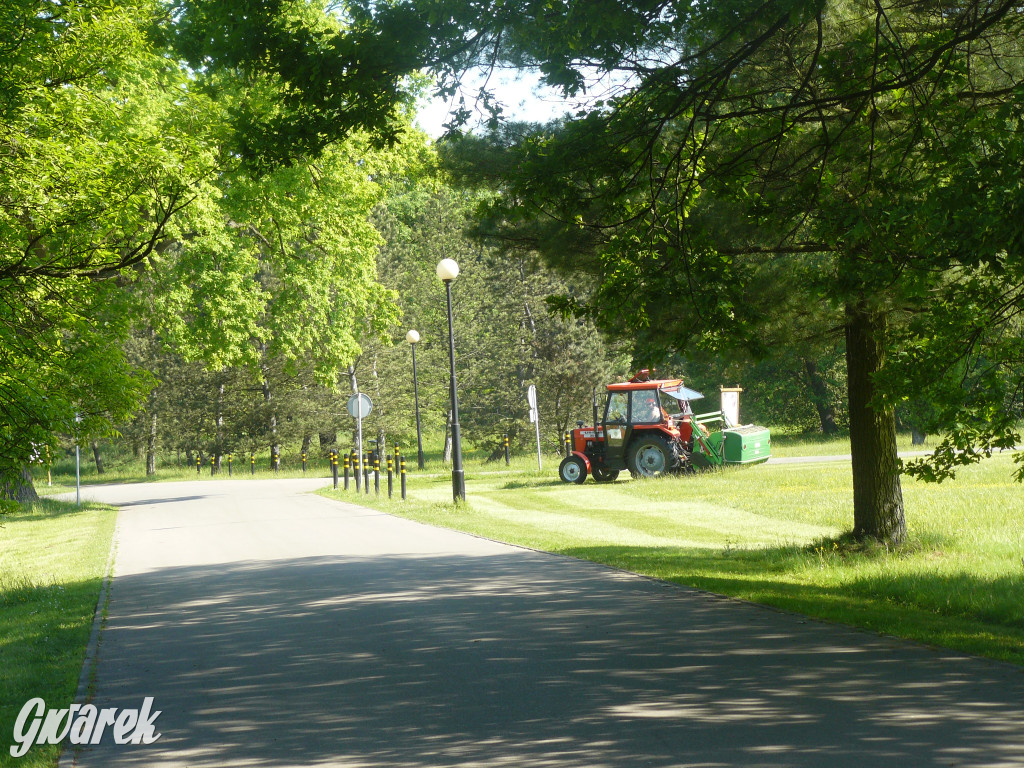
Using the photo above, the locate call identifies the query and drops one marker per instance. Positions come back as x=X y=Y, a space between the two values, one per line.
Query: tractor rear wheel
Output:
x=573 y=470
x=652 y=456
x=605 y=475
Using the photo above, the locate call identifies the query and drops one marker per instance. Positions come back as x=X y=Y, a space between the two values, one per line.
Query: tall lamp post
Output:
x=413 y=338
x=448 y=270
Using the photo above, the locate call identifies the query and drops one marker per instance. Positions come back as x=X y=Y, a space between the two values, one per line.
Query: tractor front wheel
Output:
x=652 y=456
x=572 y=470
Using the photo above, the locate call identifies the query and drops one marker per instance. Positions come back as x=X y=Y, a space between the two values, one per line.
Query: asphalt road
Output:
x=277 y=628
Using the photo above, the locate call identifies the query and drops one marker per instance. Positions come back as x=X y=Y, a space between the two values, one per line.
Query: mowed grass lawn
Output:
x=772 y=534
x=52 y=562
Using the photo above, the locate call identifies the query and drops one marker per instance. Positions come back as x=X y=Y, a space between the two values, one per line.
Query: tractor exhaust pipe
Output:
x=593 y=403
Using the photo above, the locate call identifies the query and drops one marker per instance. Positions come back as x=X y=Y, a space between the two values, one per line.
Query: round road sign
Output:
x=359 y=406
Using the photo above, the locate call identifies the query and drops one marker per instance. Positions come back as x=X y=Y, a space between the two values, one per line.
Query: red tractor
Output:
x=650 y=429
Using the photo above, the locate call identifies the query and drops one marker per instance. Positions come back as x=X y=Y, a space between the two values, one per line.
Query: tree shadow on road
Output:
x=961 y=610
x=521 y=659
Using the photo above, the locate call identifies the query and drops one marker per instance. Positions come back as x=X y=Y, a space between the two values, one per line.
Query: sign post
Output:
x=359 y=407
x=531 y=398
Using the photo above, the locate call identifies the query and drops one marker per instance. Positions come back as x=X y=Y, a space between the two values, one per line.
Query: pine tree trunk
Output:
x=96 y=456
x=275 y=448
x=219 y=422
x=379 y=413
x=877 y=495
x=18 y=486
x=151 y=447
x=822 y=401
x=353 y=386
x=447 y=454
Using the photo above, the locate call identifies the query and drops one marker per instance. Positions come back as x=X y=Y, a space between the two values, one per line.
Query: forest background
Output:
x=178 y=301
x=216 y=224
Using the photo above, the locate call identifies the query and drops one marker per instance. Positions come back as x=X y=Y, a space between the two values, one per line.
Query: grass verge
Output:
x=62 y=477
x=120 y=466
x=52 y=564
x=772 y=535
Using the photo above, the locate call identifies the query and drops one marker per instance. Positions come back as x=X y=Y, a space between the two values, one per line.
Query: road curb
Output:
x=69 y=754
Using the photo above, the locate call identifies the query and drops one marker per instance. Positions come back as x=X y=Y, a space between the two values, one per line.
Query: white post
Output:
x=355 y=410
x=359 y=437
x=531 y=398
x=537 y=424
x=78 y=462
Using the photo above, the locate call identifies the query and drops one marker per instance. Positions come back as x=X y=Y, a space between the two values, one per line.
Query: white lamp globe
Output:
x=447 y=270
x=413 y=337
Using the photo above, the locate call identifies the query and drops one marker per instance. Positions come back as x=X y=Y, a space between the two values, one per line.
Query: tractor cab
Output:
x=648 y=427
x=635 y=407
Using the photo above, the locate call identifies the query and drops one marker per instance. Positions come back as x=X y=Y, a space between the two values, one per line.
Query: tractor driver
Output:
x=648 y=410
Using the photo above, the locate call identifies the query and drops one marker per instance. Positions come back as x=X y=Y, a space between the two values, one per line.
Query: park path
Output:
x=278 y=628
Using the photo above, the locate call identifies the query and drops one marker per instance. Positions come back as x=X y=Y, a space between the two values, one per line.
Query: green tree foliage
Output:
x=315 y=73
x=506 y=336
x=277 y=274
x=88 y=183
x=291 y=299
x=122 y=165
x=506 y=339
x=798 y=391
x=762 y=161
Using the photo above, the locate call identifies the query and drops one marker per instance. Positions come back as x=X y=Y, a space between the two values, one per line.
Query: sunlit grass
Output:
x=52 y=561
x=803 y=444
x=773 y=534
x=120 y=466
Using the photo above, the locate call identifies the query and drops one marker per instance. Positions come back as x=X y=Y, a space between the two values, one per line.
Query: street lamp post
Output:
x=448 y=270
x=413 y=338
